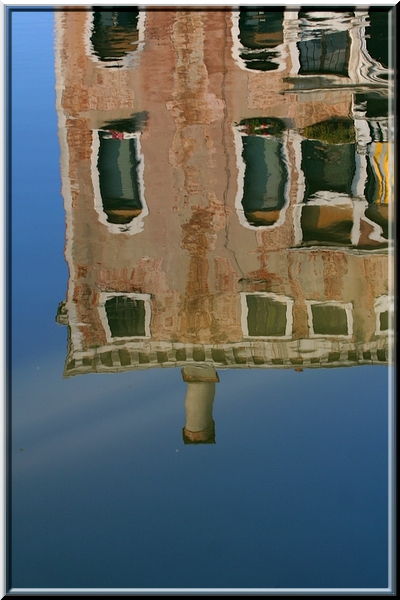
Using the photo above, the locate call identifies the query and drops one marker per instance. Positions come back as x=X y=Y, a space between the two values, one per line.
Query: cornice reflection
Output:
x=227 y=183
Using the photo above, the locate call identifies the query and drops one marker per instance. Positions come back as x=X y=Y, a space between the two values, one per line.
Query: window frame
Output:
x=136 y=225
x=289 y=302
x=383 y=304
x=104 y=296
x=348 y=308
x=241 y=167
x=238 y=48
x=357 y=201
x=131 y=59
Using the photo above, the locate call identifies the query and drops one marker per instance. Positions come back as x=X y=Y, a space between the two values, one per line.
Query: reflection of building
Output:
x=217 y=213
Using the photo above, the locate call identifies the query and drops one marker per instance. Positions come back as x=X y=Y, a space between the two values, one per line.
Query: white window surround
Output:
x=241 y=167
x=347 y=307
x=136 y=225
x=276 y=298
x=104 y=296
x=131 y=60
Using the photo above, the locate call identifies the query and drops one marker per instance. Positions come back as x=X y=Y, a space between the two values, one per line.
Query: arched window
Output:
x=114 y=38
x=115 y=33
x=263 y=189
x=118 y=175
x=260 y=35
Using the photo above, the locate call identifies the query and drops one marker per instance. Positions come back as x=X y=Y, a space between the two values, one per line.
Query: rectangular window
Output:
x=326 y=224
x=125 y=316
x=383 y=305
x=328 y=167
x=266 y=315
x=330 y=319
x=384 y=321
x=325 y=55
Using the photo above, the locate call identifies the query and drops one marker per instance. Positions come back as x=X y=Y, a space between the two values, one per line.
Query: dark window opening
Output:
x=118 y=176
x=126 y=316
x=264 y=180
x=377 y=35
x=329 y=167
x=115 y=33
x=375 y=105
x=327 y=54
x=384 y=321
x=329 y=320
x=326 y=225
x=265 y=317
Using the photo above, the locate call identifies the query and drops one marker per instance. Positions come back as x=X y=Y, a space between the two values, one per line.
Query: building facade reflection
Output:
x=227 y=184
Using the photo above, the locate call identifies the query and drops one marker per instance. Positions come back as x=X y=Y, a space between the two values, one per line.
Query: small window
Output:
x=125 y=316
x=384 y=321
x=266 y=315
x=330 y=319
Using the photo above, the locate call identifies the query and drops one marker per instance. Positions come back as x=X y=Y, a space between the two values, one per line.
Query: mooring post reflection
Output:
x=199 y=426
